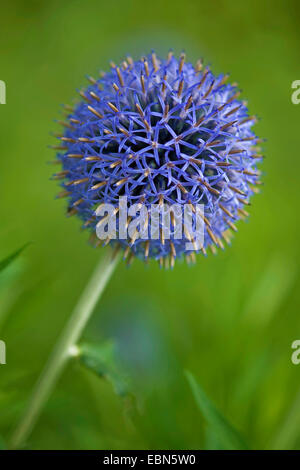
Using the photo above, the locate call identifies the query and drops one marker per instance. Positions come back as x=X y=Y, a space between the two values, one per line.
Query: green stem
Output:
x=62 y=350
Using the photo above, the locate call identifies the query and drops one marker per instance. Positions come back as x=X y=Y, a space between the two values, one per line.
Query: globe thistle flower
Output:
x=160 y=131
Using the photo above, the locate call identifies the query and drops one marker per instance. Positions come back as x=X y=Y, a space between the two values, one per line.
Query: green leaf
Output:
x=225 y=433
x=100 y=358
x=211 y=440
x=7 y=261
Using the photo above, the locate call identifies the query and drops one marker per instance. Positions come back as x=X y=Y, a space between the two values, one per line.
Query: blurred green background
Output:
x=230 y=319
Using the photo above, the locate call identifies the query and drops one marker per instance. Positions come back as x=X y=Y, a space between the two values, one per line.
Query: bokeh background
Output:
x=231 y=318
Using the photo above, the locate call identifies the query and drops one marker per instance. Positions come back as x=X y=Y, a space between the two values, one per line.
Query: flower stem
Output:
x=61 y=351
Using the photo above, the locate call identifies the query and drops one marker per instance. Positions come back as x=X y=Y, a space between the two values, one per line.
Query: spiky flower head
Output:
x=160 y=131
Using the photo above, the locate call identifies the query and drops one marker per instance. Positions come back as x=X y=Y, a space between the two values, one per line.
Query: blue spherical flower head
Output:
x=160 y=132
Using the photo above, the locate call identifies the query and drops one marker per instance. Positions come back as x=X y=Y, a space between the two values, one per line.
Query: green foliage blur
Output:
x=230 y=319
